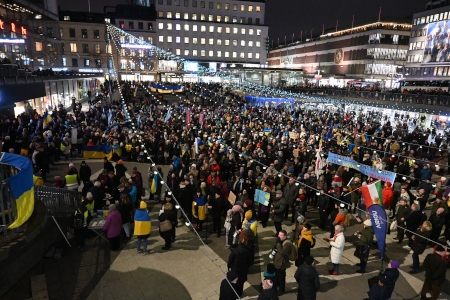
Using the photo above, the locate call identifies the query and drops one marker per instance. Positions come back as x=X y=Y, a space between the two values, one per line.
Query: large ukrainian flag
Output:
x=101 y=151
x=47 y=118
x=21 y=186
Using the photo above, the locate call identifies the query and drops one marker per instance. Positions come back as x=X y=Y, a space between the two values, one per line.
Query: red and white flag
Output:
x=188 y=116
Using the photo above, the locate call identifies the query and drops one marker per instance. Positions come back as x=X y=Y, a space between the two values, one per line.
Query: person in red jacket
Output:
x=388 y=194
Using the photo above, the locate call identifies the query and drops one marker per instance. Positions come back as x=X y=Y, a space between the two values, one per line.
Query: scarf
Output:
x=307 y=235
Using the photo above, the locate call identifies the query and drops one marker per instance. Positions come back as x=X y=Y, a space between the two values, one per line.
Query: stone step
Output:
x=39 y=287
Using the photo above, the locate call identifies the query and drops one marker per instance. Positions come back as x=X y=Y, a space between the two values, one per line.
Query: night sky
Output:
x=287 y=17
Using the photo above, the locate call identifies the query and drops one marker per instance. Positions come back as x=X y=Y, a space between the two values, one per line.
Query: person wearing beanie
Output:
x=271 y=274
x=85 y=172
x=113 y=227
x=142 y=227
x=304 y=244
x=248 y=219
x=307 y=278
x=120 y=169
x=387 y=278
x=363 y=245
x=268 y=291
x=228 y=286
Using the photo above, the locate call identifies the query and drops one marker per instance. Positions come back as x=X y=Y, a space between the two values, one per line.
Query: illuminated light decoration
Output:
x=23 y=30
x=12 y=41
x=134 y=46
x=90 y=71
x=13 y=27
x=2 y=24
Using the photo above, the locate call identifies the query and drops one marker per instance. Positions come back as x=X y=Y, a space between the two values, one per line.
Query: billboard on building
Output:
x=437 y=43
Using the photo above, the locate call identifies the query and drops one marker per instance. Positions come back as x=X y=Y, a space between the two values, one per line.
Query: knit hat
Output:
x=248 y=203
x=395 y=264
x=142 y=205
x=267 y=284
x=236 y=208
x=120 y=162
x=270 y=271
x=231 y=275
x=368 y=222
x=309 y=260
x=248 y=214
x=279 y=192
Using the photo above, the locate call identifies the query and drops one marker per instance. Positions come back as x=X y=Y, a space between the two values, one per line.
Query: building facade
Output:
x=372 y=52
x=218 y=32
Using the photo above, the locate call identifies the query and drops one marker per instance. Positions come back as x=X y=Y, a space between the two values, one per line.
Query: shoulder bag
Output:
x=165 y=225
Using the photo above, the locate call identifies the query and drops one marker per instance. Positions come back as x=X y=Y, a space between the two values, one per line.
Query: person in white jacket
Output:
x=337 y=248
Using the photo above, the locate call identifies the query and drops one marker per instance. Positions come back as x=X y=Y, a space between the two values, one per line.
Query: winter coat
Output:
x=120 y=170
x=420 y=240
x=413 y=221
x=388 y=196
x=85 y=173
x=337 y=248
x=279 y=205
x=125 y=212
x=388 y=279
x=226 y=292
x=290 y=193
x=402 y=212
x=365 y=240
x=435 y=269
x=281 y=259
x=172 y=217
x=269 y=294
x=307 y=278
x=238 y=260
x=113 y=224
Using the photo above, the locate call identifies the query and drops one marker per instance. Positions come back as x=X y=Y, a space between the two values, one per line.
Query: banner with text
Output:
x=366 y=170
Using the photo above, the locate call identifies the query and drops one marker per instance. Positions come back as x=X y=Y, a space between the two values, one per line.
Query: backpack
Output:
x=294 y=252
x=78 y=219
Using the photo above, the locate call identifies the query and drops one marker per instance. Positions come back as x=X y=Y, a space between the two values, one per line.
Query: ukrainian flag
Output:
x=101 y=151
x=47 y=118
x=21 y=186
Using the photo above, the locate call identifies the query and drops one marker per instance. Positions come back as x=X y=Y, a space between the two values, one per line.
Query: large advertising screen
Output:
x=437 y=43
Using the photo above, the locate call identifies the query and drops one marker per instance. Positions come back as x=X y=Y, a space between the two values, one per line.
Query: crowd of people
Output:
x=215 y=150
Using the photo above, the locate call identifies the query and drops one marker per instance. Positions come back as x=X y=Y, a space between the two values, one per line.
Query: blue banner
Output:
x=345 y=161
x=262 y=197
x=378 y=218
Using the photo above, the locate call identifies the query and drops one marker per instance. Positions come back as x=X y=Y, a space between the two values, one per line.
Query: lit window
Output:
x=211 y=42
x=177 y=27
x=235 y=30
x=219 y=5
x=227 y=6
x=210 y=18
x=194 y=40
x=66 y=18
x=177 y=39
x=211 y=28
x=186 y=27
x=177 y=15
x=219 y=29
x=227 y=29
x=203 y=28
x=39 y=46
x=250 y=31
x=194 y=52
x=242 y=30
x=242 y=7
x=161 y=38
x=202 y=53
x=122 y=52
x=202 y=17
x=160 y=26
x=64 y=61
x=160 y=14
x=108 y=49
x=226 y=19
x=258 y=8
x=242 y=43
x=210 y=53
x=227 y=42
x=186 y=16
x=250 y=43
x=169 y=15
x=194 y=27
x=169 y=39
x=227 y=54
x=234 y=54
x=150 y=39
x=122 y=39
x=97 y=48
x=250 y=8
x=219 y=18
x=107 y=20
x=219 y=42
x=186 y=40
x=258 y=44
x=86 y=62
x=257 y=55
x=73 y=47
x=235 y=43
x=178 y=51
x=242 y=55
x=194 y=17
x=258 y=31
x=169 y=26
x=203 y=41
x=234 y=19
x=235 y=7
x=186 y=52
x=249 y=55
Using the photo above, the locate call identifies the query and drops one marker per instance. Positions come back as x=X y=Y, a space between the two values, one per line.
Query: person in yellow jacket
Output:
x=71 y=180
x=142 y=227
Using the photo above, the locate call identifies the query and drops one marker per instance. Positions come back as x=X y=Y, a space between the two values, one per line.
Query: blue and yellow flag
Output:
x=101 y=151
x=47 y=118
x=21 y=186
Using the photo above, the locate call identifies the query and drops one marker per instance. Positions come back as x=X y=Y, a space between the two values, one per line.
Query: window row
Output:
x=211 y=28
x=140 y=25
x=218 y=6
x=84 y=33
x=211 y=53
x=74 y=48
x=416 y=45
x=140 y=53
x=432 y=18
x=429 y=71
x=211 y=41
x=210 y=18
x=130 y=39
x=97 y=63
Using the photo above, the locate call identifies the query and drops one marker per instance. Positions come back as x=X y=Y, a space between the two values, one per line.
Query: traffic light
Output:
x=267 y=44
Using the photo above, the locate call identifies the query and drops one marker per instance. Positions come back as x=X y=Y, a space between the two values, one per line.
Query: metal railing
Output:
x=59 y=202
x=439 y=100
x=8 y=211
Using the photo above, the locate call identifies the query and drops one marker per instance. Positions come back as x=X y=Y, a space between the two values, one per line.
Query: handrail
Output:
x=59 y=202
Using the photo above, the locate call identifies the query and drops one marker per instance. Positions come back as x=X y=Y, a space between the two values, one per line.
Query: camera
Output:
x=273 y=253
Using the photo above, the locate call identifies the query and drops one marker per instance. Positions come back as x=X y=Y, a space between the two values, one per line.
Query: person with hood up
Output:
x=113 y=227
x=142 y=227
x=363 y=245
x=382 y=290
x=307 y=278
x=388 y=195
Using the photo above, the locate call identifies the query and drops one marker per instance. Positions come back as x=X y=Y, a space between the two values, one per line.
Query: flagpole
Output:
x=361 y=187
